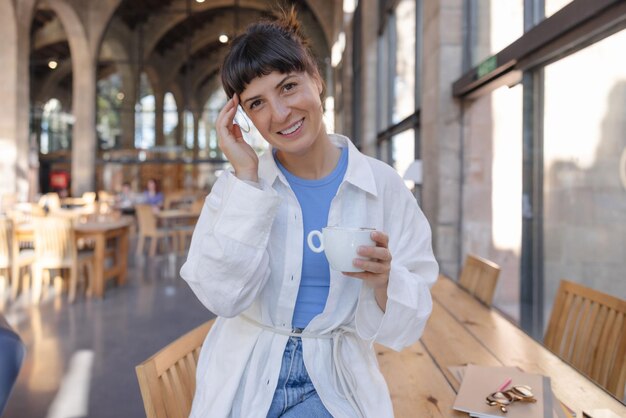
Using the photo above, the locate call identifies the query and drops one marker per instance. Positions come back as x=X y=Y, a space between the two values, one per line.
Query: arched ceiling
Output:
x=176 y=40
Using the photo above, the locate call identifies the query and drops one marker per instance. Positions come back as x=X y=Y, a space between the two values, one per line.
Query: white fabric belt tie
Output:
x=342 y=373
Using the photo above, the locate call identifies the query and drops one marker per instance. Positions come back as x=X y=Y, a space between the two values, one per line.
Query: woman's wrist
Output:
x=251 y=176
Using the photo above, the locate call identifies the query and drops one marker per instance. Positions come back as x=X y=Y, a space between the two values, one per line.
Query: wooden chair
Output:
x=168 y=379
x=55 y=249
x=50 y=202
x=148 y=229
x=480 y=277
x=587 y=328
x=12 y=259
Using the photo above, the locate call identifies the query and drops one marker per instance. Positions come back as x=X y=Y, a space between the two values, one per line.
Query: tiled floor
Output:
x=80 y=357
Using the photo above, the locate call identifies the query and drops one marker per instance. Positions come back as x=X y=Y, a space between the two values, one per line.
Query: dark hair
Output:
x=265 y=47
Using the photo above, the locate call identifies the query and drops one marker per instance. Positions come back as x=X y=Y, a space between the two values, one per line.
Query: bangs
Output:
x=258 y=53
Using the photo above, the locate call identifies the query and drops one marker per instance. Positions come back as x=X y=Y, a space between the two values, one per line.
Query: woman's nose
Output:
x=280 y=111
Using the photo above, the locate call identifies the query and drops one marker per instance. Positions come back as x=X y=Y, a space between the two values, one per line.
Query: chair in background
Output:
x=5 y=259
x=56 y=249
x=12 y=259
x=168 y=379
x=480 y=277
x=89 y=197
x=185 y=232
x=50 y=202
x=13 y=351
x=148 y=229
x=587 y=328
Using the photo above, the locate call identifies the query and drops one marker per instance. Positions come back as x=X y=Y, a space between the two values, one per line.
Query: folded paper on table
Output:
x=480 y=381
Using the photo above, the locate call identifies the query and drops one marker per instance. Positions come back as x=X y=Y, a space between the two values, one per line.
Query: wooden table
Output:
x=177 y=215
x=461 y=330
x=115 y=233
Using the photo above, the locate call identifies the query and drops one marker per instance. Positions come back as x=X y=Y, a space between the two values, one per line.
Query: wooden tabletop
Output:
x=176 y=214
x=103 y=225
x=461 y=330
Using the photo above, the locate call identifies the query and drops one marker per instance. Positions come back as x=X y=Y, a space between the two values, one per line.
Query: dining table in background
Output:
x=175 y=216
x=110 y=239
x=461 y=331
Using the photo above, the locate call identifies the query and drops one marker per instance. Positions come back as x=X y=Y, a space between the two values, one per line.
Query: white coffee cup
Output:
x=340 y=244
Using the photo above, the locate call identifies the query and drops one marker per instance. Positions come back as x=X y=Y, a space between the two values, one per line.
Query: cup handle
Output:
x=309 y=241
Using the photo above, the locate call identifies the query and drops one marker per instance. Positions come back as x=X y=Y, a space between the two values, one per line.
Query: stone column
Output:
x=197 y=119
x=127 y=117
x=14 y=90
x=369 y=13
x=180 y=128
x=441 y=129
x=159 y=137
x=8 y=91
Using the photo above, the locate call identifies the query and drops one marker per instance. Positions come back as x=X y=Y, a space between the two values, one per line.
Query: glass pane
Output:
x=404 y=81
x=403 y=151
x=170 y=119
x=492 y=188
x=110 y=97
x=189 y=140
x=584 y=169
x=144 y=115
x=493 y=26
x=553 y=6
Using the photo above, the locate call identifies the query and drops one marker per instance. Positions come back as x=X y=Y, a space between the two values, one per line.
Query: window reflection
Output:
x=584 y=137
x=404 y=77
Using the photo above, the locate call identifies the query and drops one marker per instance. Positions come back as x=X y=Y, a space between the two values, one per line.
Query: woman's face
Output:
x=286 y=109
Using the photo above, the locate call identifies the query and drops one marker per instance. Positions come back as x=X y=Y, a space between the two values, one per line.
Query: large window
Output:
x=584 y=156
x=170 y=119
x=56 y=128
x=109 y=102
x=553 y=6
x=144 y=115
x=398 y=80
x=491 y=26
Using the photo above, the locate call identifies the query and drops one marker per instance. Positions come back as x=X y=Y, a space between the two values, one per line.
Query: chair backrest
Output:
x=197 y=205
x=13 y=351
x=5 y=243
x=89 y=197
x=146 y=218
x=54 y=240
x=480 y=277
x=587 y=328
x=168 y=379
x=51 y=201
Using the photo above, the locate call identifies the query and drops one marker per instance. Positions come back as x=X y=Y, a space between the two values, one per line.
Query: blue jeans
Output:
x=295 y=396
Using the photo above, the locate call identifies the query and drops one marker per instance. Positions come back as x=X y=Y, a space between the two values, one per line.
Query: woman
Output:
x=294 y=338
x=152 y=196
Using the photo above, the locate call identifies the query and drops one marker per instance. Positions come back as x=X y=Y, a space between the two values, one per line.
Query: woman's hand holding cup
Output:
x=230 y=140
x=377 y=265
x=361 y=253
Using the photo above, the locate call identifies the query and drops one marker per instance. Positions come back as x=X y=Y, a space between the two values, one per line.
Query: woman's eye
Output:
x=289 y=86
x=254 y=104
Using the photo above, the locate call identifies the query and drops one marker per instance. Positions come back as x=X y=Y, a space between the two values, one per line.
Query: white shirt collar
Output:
x=359 y=172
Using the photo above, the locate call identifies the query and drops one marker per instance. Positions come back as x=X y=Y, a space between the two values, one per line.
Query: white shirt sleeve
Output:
x=228 y=263
x=413 y=272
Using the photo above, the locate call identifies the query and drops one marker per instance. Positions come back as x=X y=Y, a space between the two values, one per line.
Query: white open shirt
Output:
x=246 y=257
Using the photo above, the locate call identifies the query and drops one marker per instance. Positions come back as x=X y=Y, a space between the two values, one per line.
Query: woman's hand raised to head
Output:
x=230 y=140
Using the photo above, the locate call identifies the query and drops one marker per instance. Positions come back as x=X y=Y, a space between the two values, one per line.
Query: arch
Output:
x=158 y=25
x=83 y=98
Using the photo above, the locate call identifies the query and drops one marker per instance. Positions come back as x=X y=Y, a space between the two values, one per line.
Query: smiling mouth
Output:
x=293 y=128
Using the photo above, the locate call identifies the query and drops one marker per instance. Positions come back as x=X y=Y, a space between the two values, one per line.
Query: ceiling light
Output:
x=52 y=64
x=199 y=1
x=223 y=38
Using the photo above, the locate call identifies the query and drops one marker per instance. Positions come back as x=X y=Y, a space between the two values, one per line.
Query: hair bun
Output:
x=288 y=20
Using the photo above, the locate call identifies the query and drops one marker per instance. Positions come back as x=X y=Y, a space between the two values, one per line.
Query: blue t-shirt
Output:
x=314 y=197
